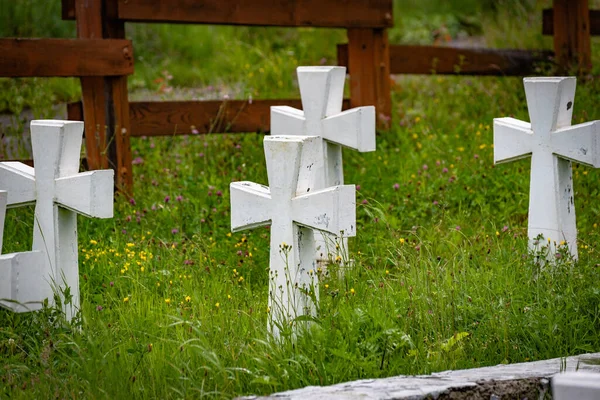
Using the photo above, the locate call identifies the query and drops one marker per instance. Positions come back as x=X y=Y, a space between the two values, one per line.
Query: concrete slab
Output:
x=512 y=381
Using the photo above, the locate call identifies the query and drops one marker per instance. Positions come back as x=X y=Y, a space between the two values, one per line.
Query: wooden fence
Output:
x=102 y=58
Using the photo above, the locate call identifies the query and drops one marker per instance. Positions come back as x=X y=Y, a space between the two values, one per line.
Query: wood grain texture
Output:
x=68 y=9
x=105 y=99
x=548 y=22
x=318 y=13
x=27 y=161
x=89 y=25
x=458 y=61
x=93 y=100
x=572 y=41
x=168 y=118
x=65 y=57
x=369 y=61
x=120 y=127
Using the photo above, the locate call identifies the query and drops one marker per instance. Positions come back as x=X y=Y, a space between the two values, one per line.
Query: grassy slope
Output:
x=175 y=306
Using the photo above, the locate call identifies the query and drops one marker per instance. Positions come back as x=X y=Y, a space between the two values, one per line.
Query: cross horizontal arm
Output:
x=250 y=205
x=512 y=139
x=287 y=120
x=19 y=180
x=331 y=210
x=88 y=193
x=579 y=143
x=354 y=128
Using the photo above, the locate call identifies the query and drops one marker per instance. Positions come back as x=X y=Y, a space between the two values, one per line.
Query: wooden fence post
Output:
x=105 y=101
x=369 y=68
x=572 y=44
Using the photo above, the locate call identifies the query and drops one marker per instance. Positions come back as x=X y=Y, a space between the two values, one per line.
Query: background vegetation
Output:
x=175 y=306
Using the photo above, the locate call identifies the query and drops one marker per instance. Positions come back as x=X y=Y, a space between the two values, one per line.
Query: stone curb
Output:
x=507 y=381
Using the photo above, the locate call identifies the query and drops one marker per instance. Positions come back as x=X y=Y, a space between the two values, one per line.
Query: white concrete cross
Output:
x=20 y=283
x=59 y=193
x=322 y=93
x=552 y=143
x=580 y=385
x=293 y=208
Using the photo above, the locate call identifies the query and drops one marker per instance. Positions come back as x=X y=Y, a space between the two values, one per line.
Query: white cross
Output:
x=322 y=93
x=59 y=193
x=293 y=209
x=20 y=273
x=552 y=143
x=580 y=385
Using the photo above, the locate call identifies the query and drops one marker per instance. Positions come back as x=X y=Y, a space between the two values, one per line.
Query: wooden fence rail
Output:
x=103 y=59
x=78 y=57
x=170 y=118
x=458 y=61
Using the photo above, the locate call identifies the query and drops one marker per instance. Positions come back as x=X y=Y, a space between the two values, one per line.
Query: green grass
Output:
x=442 y=277
x=174 y=306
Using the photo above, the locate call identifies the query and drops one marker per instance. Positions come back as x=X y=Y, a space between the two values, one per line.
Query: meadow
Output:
x=173 y=305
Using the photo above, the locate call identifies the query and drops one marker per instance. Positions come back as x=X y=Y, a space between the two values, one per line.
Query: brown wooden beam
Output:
x=458 y=61
x=168 y=118
x=548 y=22
x=368 y=56
x=65 y=57
x=317 y=13
x=572 y=41
x=105 y=101
x=68 y=9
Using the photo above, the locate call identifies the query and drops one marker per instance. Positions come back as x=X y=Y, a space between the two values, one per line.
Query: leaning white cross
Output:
x=59 y=193
x=293 y=208
x=552 y=144
x=322 y=93
x=20 y=283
